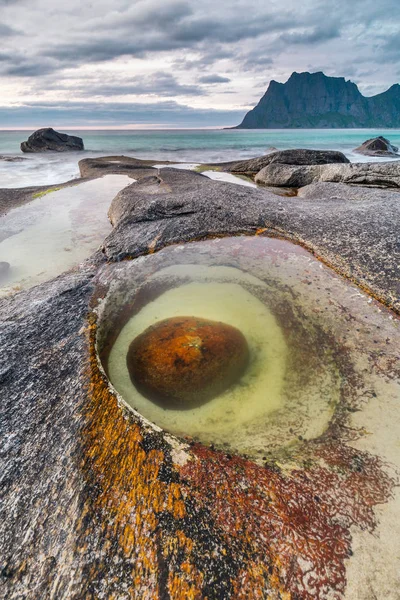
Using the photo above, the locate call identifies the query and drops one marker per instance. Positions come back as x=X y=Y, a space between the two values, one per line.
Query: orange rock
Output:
x=183 y=362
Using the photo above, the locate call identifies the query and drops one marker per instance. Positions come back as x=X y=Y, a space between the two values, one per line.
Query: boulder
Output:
x=48 y=140
x=379 y=146
x=377 y=174
x=288 y=157
x=183 y=362
x=293 y=176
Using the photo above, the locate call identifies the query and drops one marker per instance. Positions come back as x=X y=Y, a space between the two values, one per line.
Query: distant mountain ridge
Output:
x=314 y=100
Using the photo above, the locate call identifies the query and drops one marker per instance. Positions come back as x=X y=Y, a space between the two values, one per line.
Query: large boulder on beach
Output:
x=376 y=174
x=288 y=157
x=48 y=140
x=379 y=146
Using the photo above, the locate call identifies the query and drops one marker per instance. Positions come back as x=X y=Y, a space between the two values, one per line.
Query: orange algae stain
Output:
x=220 y=521
x=130 y=493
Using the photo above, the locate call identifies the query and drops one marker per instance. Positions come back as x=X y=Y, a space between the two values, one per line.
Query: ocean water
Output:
x=195 y=146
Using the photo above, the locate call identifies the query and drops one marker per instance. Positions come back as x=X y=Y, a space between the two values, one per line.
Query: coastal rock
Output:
x=376 y=174
x=183 y=362
x=345 y=193
x=119 y=165
x=313 y=100
x=12 y=158
x=379 y=146
x=288 y=157
x=89 y=483
x=48 y=140
x=293 y=176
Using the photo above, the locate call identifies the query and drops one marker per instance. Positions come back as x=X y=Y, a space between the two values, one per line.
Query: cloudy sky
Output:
x=181 y=63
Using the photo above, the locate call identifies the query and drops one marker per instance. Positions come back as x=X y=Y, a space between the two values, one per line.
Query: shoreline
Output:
x=161 y=146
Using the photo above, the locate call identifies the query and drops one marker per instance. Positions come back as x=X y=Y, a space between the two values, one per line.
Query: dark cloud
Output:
x=157 y=84
x=316 y=35
x=38 y=114
x=6 y=30
x=214 y=79
x=184 y=44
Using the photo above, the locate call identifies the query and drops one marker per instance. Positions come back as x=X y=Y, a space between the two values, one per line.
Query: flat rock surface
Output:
x=182 y=206
x=288 y=157
x=385 y=174
x=125 y=165
x=99 y=504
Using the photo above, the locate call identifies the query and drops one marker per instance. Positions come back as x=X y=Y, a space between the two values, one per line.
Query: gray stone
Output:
x=378 y=174
x=379 y=146
x=288 y=157
x=345 y=192
x=181 y=206
x=121 y=165
x=48 y=140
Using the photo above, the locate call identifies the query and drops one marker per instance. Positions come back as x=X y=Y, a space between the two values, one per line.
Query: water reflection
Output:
x=55 y=232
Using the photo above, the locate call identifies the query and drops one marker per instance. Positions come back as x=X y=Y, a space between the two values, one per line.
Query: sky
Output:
x=180 y=63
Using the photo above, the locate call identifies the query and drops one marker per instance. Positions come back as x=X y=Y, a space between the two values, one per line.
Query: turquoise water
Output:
x=195 y=145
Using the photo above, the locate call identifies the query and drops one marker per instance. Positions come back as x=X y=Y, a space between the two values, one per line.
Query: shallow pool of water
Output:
x=56 y=231
x=297 y=371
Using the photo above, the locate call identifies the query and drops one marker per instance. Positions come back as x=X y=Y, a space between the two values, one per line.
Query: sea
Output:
x=183 y=146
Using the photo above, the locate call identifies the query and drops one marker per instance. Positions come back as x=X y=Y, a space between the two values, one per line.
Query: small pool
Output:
x=56 y=231
x=304 y=357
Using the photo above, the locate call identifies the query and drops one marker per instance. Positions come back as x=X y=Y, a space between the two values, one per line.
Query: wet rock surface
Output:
x=123 y=165
x=183 y=362
x=12 y=158
x=287 y=157
x=48 y=140
x=181 y=206
x=379 y=146
x=96 y=501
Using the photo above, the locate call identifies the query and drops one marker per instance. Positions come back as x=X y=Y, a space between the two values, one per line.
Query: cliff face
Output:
x=313 y=100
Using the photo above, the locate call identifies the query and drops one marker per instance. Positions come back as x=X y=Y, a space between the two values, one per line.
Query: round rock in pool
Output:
x=183 y=362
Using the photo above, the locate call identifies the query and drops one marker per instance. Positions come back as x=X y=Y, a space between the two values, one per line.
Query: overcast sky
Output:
x=181 y=63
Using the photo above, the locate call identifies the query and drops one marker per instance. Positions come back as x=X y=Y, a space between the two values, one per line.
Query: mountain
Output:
x=313 y=100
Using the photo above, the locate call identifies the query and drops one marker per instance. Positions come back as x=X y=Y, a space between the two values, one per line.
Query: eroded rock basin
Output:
x=313 y=340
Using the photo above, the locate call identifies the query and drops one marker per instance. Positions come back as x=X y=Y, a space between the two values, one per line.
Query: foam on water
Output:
x=194 y=146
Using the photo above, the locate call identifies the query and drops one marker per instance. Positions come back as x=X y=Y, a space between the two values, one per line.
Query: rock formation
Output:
x=97 y=502
x=377 y=174
x=378 y=146
x=184 y=361
x=313 y=100
x=48 y=140
x=287 y=157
